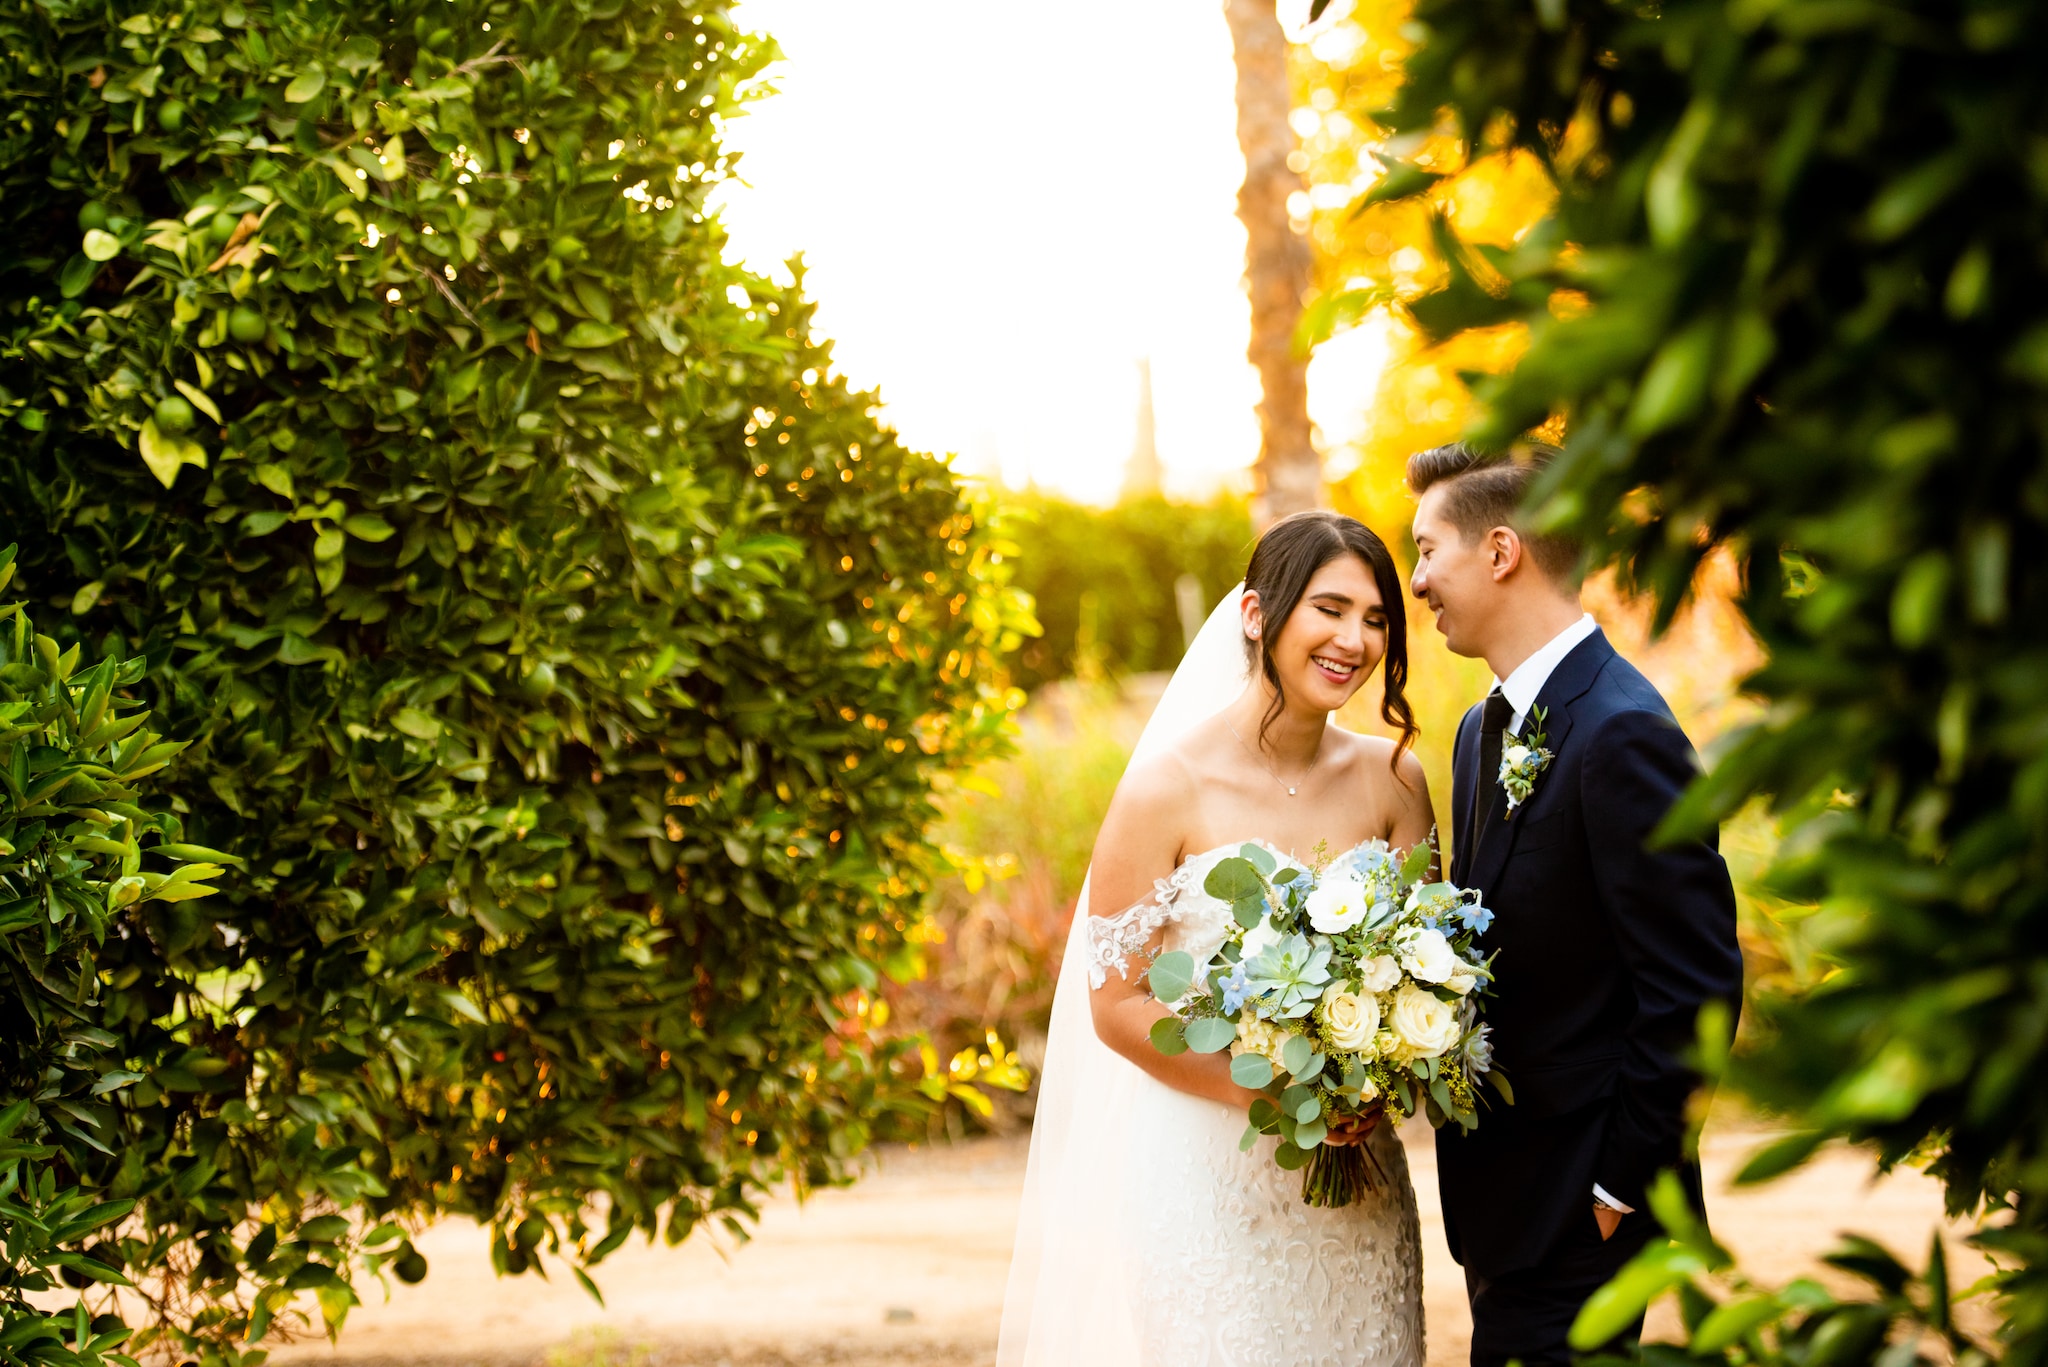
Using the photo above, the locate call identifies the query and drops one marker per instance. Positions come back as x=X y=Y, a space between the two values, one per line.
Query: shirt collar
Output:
x=1525 y=683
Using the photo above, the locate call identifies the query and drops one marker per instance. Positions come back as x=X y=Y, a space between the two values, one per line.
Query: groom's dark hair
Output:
x=1484 y=490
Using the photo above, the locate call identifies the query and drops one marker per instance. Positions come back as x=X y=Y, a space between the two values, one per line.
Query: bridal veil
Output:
x=1069 y=1302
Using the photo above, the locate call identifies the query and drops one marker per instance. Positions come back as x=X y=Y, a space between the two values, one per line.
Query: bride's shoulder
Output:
x=1160 y=783
x=1375 y=760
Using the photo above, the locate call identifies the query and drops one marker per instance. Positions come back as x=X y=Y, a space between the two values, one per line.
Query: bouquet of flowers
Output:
x=1339 y=989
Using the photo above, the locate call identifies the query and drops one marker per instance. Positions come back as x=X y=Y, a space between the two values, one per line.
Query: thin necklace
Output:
x=1291 y=789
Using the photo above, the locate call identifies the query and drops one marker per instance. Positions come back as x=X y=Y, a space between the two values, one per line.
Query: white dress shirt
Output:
x=1522 y=686
x=1525 y=683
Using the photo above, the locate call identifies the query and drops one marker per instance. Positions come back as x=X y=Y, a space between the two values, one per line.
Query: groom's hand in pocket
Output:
x=1608 y=1218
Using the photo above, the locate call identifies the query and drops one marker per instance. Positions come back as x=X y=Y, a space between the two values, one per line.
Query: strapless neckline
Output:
x=1269 y=847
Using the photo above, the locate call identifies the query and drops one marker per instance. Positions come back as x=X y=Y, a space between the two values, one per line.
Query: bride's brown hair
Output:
x=1283 y=562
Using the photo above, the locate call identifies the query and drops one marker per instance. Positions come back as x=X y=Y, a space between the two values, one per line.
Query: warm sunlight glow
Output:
x=1003 y=251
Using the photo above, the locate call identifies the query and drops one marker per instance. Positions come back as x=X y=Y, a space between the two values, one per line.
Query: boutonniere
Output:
x=1521 y=760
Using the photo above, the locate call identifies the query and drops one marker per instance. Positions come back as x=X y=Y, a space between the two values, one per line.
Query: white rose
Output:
x=1514 y=755
x=1338 y=905
x=1425 y=1026
x=1382 y=974
x=1428 y=956
x=1349 y=1020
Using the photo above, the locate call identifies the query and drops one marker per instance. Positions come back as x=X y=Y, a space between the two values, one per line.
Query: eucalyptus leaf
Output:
x=1251 y=1070
x=1168 y=1036
x=1416 y=866
x=1171 y=974
x=1234 y=879
x=1296 y=1053
x=1210 y=1034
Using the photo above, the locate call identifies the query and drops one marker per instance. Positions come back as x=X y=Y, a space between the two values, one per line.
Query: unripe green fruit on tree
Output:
x=173 y=416
x=220 y=228
x=246 y=324
x=171 y=117
x=540 y=682
x=92 y=214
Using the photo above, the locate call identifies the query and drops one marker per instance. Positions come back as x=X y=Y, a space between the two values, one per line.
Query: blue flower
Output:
x=1236 y=988
x=1476 y=918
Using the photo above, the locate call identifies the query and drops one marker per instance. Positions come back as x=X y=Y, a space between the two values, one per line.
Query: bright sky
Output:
x=1003 y=209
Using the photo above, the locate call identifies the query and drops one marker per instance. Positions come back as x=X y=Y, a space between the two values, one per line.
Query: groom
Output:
x=1606 y=948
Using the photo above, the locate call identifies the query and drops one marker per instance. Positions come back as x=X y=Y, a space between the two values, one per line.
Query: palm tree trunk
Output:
x=1276 y=261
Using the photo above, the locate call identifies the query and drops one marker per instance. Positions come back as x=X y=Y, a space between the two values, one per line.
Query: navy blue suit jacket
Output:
x=1605 y=952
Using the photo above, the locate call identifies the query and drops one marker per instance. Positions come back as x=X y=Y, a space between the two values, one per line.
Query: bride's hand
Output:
x=1346 y=1131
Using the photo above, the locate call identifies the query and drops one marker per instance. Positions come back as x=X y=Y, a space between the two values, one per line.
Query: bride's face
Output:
x=1335 y=637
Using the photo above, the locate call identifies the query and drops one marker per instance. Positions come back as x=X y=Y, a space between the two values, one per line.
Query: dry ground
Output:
x=908 y=1268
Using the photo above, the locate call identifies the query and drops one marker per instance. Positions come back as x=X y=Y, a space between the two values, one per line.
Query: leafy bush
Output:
x=75 y=902
x=1729 y=1318
x=1103 y=579
x=568 y=655
x=1804 y=314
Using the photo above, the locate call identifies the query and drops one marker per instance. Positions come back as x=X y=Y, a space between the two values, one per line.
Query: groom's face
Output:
x=1453 y=575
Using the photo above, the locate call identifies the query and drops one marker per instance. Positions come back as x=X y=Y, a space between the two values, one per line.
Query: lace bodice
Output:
x=1193 y=921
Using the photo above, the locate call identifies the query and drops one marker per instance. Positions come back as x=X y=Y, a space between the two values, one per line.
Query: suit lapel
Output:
x=1567 y=683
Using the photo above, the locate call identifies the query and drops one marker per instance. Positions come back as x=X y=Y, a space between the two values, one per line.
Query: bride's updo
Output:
x=1283 y=562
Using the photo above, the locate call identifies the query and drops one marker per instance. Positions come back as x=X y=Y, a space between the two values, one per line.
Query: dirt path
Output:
x=908 y=1268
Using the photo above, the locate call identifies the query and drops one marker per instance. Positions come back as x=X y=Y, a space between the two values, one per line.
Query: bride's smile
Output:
x=1330 y=643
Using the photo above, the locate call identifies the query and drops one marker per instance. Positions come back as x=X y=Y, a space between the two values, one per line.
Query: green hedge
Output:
x=1103 y=578
x=73 y=821
x=567 y=653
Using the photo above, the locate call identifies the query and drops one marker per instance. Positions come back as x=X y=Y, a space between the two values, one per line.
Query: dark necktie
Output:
x=1493 y=724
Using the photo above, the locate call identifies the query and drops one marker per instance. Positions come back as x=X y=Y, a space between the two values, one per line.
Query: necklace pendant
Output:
x=1290 y=792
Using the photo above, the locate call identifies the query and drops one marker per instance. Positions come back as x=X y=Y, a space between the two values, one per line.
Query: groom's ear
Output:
x=1504 y=552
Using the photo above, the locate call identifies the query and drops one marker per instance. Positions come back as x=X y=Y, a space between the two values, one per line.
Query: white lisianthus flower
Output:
x=1382 y=974
x=1255 y=1036
x=1428 y=956
x=1339 y=904
x=1425 y=1025
x=1259 y=939
x=1462 y=981
x=1349 y=1020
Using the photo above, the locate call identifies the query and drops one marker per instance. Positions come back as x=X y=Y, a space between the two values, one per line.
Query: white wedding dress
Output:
x=1146 y=1235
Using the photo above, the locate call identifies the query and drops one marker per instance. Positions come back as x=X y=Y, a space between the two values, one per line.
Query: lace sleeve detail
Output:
x=1113 y=941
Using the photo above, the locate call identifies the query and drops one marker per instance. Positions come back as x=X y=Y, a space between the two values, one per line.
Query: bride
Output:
x=1146 y=1235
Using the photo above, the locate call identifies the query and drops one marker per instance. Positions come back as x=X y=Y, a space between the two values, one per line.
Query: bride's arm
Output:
x=1140 y=843
x=1415 y=815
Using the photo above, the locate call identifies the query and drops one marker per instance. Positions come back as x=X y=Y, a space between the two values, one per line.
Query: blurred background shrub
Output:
x=1116 y=587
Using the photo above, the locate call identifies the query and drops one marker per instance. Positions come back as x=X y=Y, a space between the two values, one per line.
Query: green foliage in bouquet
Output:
x=1804 y=316
x=82 y=899
x=1342 y=989
x=569 y=657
